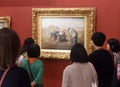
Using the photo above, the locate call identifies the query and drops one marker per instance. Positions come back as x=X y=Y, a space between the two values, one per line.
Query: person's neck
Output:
x=98 y=47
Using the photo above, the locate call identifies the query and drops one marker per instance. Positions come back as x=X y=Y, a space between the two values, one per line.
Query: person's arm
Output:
x=20 y=58
x=23 y=63
x=95 y=77
x=65 y=78
x=38 y=78
x=33 y=84
x=91 y=58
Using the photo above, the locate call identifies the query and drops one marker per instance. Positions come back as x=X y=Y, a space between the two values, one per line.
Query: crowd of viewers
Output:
x=106 y=63
x=80 y=73
x=29 y=60
x=21 y=66
x=33 y=65
x=23 y=51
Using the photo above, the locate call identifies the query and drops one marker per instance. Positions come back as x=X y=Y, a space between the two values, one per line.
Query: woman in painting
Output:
x=73 y=35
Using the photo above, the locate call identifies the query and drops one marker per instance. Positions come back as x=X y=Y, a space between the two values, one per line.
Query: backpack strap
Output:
x=32 y=78
x=3 y=76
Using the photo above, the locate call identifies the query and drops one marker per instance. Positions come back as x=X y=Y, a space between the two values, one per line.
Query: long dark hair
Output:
x=9 y=47
x=114 y=44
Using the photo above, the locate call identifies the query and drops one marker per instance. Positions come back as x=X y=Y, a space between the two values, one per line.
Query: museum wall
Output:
x=107 y=21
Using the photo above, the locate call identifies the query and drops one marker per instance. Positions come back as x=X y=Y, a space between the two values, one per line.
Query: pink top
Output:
x=79 y=75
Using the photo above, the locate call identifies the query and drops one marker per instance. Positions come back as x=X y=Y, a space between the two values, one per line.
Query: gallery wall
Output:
x=107 y=21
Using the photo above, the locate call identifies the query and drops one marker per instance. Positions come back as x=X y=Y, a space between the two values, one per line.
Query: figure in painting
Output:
x=62 y=36
x=73 y=35
x=53 y=35
x=58 y=36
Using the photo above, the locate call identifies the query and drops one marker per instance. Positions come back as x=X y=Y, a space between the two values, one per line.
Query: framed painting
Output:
x=56 y=30
x=4 y=21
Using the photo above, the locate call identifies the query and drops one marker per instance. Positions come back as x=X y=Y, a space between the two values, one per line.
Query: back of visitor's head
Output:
x=9 y=47
x=114 y=45
x=78 y=54
x=98 y=38
x=28 y=41
x=33 y=51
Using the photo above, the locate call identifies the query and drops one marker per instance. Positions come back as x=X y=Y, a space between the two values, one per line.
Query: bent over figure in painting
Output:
x=58 y=36
x=61 y=37
x=73 y=35
x=53 y=35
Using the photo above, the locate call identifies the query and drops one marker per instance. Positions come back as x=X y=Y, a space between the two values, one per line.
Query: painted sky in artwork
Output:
x=63 y=22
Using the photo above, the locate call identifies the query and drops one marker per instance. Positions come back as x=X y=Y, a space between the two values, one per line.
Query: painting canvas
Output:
x=56 y=30
x=61 y=33
x=4 y=21
x=2 y=24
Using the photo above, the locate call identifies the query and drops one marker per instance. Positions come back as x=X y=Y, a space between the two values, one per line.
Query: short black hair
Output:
x=114 y=44
x=28 y=41
x=98 y=38
x=78 y=54
x=33 y=51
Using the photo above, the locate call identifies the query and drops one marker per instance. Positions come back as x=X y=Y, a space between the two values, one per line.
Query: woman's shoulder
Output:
x=24 y=60
x=19 y=69
x=69 y=67
x=38 y=61
x=90 y=64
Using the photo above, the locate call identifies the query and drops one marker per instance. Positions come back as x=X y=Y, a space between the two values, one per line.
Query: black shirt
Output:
x=103 y=63
x=16 y=77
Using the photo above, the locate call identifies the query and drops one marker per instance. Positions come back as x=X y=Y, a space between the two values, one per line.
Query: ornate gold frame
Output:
x=88 y=13
x=6 y=20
